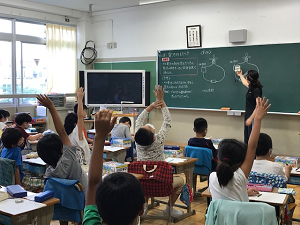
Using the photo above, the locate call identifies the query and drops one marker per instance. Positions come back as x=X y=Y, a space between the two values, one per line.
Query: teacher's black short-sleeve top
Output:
x=251 y=96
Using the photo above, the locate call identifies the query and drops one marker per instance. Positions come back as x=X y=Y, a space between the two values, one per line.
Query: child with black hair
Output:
x=200 y=128
x=90 y=141
x=3 y=118
x=57 y=150
x=230 y=180
x=150 y=146
x=262 y=164
x=74 y=128
x=23 y=121
x=119 y=198
x=12 y=139
x=122 y=129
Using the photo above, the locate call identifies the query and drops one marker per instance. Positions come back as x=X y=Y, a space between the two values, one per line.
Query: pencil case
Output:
x=41 y=197
x=172 y=147
x=16 y=191
x=288 y=191
x=260 y=187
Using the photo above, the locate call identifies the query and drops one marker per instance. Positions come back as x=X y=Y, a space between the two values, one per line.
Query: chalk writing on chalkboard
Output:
x=212 y=76
x=245 y=65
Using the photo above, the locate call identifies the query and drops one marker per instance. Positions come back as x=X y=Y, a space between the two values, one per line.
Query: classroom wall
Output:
x=141 y=31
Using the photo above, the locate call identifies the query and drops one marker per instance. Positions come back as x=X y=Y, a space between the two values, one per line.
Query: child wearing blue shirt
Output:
x=12 y=139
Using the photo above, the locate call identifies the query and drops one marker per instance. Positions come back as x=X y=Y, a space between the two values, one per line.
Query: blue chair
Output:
x=203 y=165
x=71 y=196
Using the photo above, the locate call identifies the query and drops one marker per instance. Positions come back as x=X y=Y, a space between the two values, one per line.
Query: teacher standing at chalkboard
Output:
x=254 y=91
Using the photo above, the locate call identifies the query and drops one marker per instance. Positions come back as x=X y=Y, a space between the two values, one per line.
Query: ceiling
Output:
x=83 y=5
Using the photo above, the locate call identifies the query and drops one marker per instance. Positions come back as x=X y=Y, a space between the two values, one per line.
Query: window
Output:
x=22 y=71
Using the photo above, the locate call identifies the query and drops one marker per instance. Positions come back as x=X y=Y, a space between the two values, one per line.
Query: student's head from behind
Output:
x=120 y=199
x=126 y=121
x=4 y=115
x=264 y=145
x=84 y=109
x=70 y=122
x=12 y=137
x=23 y=120
x=200 y=125
x=231 y=155
x=49 y=148
x=145 y=135
x=252 y=78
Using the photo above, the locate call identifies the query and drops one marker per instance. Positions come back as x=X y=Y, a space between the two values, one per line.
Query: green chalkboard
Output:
x=205 y=78
x=142 y=65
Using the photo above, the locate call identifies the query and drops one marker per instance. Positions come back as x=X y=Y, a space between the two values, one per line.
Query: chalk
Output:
x=225 y=108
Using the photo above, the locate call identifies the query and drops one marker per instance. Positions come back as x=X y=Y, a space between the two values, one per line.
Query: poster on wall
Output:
x=193 y=36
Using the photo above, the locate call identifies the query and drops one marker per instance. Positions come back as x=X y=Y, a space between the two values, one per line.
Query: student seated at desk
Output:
x=230 y=180
x=23 y=120
x=122 y=129
x=262 y=164
x=151 y=146
x=3 y=119
x=57 y=150
x=74 y=128
x=90 y=141
x=12 y=139
x=200 y=128
x=119 y=198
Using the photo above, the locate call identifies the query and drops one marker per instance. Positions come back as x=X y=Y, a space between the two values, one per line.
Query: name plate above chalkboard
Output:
x=205 y=78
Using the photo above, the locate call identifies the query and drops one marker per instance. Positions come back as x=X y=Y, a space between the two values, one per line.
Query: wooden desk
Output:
x=269 y=200
x=180 y=144
x=181 y=168
x=119 y=155
x=27 y=212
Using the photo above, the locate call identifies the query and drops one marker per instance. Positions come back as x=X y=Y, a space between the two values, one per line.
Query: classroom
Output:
x=125 y=31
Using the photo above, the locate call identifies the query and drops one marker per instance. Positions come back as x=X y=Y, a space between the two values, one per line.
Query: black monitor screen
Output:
x=112 y=88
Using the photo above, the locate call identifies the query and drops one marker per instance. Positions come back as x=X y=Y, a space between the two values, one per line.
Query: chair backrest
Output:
x=157 y=180
x=204 y=155
x=275 y=180
x=7 y=172
x=71 y=196
x=235 y=213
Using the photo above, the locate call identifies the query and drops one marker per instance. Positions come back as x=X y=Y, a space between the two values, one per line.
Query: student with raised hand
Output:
x=74 y=128
x=262 y=164
x=90 y=141
x=119 y=198
x=57 y=150
x=150 y=146
x=231 y=177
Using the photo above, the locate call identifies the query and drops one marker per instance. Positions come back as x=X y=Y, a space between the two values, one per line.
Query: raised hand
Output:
x=157 y=104
x=104 y=123
x=80 y=93
x=45 y=101
x=239 y=73
x=262 y=107
x=159 y=92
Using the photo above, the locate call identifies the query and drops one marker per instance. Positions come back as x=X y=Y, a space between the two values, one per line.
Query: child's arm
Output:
x=17 y=176
x=261 y=110
x=103 y=125
x=165 y=127
x=243 y=79
x=80 y=94
x=45 y=101
x=34 y=137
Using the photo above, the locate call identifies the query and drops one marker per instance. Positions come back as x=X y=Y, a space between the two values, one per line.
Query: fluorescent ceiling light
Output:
x=146 y=2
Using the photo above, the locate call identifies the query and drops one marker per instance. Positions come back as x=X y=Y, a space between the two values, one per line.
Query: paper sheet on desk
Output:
x=38 y=161
x=112 y=149
x=269 y=197
x=175 y=160
x=11 y=207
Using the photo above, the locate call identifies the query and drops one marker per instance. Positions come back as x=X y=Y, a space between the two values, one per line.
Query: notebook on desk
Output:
x=175 y=160
x=269 y=197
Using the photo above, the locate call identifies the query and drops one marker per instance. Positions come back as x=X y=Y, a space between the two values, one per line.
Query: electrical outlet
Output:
x=112 y=45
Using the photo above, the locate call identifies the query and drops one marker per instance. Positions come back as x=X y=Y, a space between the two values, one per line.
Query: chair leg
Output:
x=170 y=218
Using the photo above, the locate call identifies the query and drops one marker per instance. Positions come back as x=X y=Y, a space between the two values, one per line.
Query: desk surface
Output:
x=271 y=198
x=182 y=145
x=188 y=161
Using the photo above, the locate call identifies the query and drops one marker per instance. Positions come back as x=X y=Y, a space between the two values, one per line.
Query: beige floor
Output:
x=199 y=205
